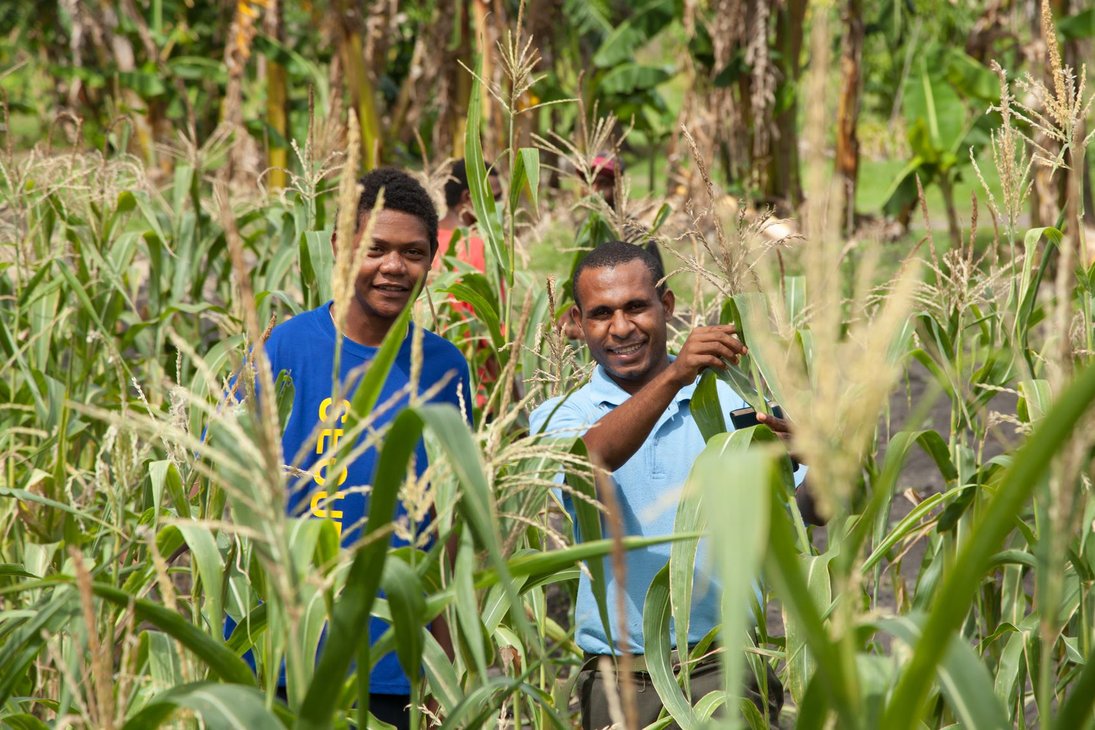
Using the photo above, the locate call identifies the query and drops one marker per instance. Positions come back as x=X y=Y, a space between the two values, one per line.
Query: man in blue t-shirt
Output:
x=634 y=418
x=403 y=243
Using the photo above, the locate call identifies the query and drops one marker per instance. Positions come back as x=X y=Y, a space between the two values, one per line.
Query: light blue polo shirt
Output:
x=648 y=487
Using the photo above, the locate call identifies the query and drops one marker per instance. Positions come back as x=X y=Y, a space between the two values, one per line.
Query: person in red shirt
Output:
x=470 y=249
x=461 y=214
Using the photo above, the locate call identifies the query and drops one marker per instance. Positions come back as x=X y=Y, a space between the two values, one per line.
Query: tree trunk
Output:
x=121 y=50
x=277 y=99
x=398 y=127
x=783 y=180
x=459 y=79
x=351 y=49
x=1077 y=195
x=847 y=142
x=243 y=159
x=486 y=21
x=953 y=228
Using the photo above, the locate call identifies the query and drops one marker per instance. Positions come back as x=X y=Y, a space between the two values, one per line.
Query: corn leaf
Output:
x=157 y=649
x=740 y=508
x=691 y=517
x=800 y=663
x=372 y=383
x=405 y=597
x=23 y=644
x=794 y=294
x=526 y=175
x=352 y=608
x=317 y=261
x=783 y=568
x=164 y=476
x=474 y=289
x=476 y=503
x=24 y=721
x=705 y=407
x=441 y=675
x=882 y=489
x=210 y=565
x=220 y=706
x=482 y=198
x=1076 y=711
x=965 y=681
x=590 y=530
x=467 y=605
x=212 y=651
x=960 y=583
x=656 y=614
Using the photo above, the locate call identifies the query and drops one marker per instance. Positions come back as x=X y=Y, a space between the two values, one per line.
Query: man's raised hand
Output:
x=707 y=347
x=782 y=428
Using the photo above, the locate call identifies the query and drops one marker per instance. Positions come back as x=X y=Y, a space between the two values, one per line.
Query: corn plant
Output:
x=144 y=486
x=143 y=507
x=972 y=644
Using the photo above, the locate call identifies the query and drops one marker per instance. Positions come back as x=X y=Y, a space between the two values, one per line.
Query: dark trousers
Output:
x=705 y=677
x=392 y=709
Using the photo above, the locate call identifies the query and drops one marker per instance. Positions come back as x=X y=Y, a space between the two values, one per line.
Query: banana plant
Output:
x=942 y=128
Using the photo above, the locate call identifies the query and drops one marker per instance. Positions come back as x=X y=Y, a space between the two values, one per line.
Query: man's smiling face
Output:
x=623 y=321
x=398 y=259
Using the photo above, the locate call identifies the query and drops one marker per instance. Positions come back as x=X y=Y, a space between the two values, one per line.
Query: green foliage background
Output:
x=142 y=253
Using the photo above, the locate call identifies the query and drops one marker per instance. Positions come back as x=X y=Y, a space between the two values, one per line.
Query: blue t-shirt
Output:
x=304 y=347
x=647 y=486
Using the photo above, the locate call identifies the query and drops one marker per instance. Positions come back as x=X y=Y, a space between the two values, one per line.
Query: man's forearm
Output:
x=618 y=435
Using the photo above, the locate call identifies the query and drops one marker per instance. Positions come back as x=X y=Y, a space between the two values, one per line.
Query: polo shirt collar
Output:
x=604 y=390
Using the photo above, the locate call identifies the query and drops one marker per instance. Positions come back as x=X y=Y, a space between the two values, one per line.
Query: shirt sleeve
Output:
x=559 y=417
x=457 y=391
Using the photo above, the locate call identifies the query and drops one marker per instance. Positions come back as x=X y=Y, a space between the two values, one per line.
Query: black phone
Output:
x=746 y=417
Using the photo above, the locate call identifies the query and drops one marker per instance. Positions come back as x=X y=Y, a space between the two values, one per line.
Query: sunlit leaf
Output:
x=220 y=706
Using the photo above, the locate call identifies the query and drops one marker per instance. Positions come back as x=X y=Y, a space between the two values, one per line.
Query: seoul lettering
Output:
x=322 y=504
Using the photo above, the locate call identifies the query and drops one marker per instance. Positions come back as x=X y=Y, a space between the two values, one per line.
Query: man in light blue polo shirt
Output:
x=635 y=420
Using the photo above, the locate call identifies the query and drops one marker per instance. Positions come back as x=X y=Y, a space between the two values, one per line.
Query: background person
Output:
x=608 y=169
x=460 y=213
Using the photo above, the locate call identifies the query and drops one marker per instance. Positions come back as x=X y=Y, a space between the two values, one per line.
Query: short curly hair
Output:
x=457 y=182
x=401 y=192
x=613 y=253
